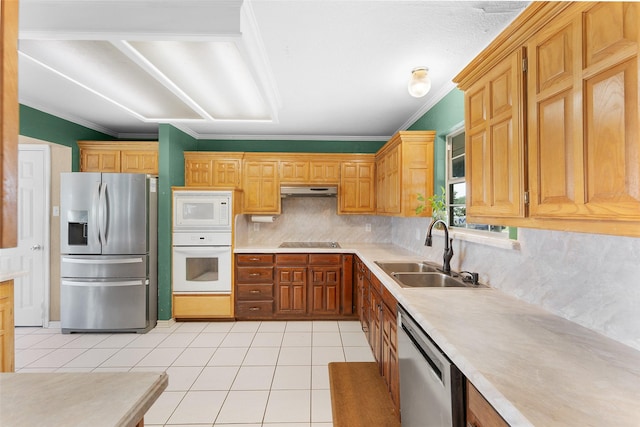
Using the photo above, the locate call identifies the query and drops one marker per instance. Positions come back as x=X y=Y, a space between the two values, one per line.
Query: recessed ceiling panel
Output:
x=101 y=67
x=213 y=74
x=53 y=94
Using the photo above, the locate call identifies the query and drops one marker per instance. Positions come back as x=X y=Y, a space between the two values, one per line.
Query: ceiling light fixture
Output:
x=420 y=83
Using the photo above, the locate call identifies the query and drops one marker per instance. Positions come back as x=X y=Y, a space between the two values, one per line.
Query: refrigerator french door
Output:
x=108 y=226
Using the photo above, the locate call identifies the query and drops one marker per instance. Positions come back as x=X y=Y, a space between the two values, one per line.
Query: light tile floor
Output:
x=242 y=374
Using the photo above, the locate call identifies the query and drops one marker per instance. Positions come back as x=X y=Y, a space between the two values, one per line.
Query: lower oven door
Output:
x=202 y=269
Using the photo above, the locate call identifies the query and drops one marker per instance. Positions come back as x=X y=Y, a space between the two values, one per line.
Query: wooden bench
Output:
x=359 y=397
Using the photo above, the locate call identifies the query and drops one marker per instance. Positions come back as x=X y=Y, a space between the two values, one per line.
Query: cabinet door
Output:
x=296 y=172
x=324 y=172
x=100 y=161
x=324 y=290
x=375 y=323
x=198 y=172
x=291 y=290
x=390 y=368
x=584 y=117
x=357 y=187
x=392 y=178
x=6 y=327
x=139 y=162
x=226 y=173
x=495 y=144
x=261 y=187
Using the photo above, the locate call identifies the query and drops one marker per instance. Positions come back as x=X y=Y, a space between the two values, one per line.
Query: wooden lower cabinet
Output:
x=479 y=412
x=254 y=286
x=294 y=286
x=377 y=310
x=201 y=306
x=7 y=345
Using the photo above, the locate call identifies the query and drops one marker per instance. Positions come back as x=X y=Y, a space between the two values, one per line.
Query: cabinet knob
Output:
x=254 y=308
x=254 y=274
x=254 y=259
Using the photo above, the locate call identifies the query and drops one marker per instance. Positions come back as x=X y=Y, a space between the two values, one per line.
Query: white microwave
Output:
x=201 y=210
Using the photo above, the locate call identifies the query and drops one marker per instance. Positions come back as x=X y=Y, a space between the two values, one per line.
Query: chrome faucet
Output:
x=448 y=245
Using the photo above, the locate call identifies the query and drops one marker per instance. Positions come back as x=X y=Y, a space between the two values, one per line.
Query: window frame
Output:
x=507 y=233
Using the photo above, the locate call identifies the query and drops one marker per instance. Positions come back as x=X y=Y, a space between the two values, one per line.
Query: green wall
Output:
x=444 y=117
x=172 y=143
x=292 y=146
x=39 y=125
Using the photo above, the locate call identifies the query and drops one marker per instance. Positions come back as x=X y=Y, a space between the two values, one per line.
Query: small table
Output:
x=73 y=399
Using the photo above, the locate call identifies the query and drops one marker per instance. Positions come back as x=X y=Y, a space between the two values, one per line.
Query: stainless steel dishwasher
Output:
x=431 y=387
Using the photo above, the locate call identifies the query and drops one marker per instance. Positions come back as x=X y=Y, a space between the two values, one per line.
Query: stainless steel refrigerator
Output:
x=108 y=235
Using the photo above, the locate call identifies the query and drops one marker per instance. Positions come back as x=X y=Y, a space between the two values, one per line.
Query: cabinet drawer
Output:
x=254 y=292
x=325 y=259
x=255 y=275
x=254 y=309
x=254 y=259
x=291 y=259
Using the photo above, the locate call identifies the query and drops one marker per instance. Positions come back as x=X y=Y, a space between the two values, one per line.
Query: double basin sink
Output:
x=426 y=275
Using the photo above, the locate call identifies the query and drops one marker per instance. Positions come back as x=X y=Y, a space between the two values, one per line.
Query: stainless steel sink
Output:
x=406 y=267
x=428 y=280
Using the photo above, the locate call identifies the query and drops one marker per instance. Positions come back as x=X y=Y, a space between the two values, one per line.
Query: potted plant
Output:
x=438 y=204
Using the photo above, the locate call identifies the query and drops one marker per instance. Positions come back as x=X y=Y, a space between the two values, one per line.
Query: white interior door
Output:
x=32 y=253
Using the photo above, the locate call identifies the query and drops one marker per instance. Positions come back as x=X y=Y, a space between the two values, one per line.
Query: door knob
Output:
x=36 y=247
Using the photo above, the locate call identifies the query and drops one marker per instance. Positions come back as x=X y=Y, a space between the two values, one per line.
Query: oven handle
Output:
x=199 y=250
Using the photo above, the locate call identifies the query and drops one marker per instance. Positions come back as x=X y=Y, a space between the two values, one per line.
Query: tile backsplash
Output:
x=313 y=219
x=592 y=280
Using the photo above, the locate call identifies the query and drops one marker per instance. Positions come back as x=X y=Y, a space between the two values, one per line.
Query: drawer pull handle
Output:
x=254 y=274
x=254 y=259
x=254 y=291
x=254 y=308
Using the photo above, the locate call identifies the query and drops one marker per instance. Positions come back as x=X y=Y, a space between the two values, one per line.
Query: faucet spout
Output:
x=448 y=244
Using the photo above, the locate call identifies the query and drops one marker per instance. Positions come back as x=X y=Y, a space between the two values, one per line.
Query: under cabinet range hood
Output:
x=309 y=191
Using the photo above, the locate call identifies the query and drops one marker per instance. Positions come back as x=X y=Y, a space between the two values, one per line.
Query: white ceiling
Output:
x=258 y=69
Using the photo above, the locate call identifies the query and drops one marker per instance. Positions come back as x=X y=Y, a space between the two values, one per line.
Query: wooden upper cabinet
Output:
x=95 y=160
x=309 y=169
x=404 y=168
x=294 y=171
x=211 y=169
x=261 y=185
x=324 y=171
x=577 y=115
x=9 y=127
x=357 y=187
x=198 y=170
x=584 y=141
x=120 y=156
x=132 y=161
x=494 y=142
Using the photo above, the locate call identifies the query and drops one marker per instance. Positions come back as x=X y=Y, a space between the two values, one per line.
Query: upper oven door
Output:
x=202 y=269
x=201 y=210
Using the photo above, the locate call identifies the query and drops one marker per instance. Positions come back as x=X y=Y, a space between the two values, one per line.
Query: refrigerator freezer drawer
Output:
x=103 y=266
x=103 y=305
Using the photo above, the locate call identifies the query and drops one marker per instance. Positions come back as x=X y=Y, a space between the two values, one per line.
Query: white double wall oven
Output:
x=202 y=258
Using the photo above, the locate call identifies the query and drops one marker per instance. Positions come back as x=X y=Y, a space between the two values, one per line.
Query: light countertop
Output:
x=70 y=399
x=11 y=274
x=535 y=368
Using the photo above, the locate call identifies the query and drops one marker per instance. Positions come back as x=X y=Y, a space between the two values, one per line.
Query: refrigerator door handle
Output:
x=95 y=212
x=102 y=284
x=104 y=214
x=133 y=260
